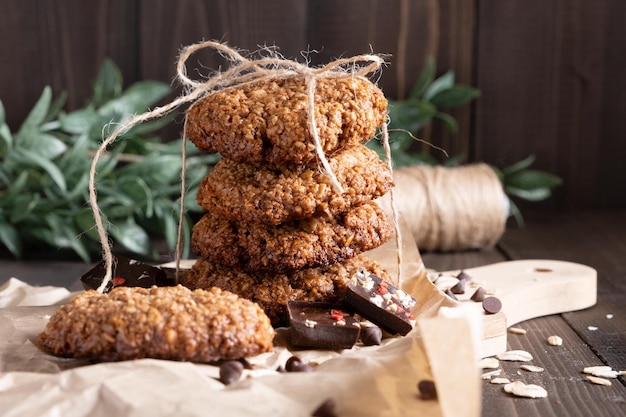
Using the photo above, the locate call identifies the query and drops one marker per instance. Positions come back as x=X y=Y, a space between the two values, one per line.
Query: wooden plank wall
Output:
x=550 y=71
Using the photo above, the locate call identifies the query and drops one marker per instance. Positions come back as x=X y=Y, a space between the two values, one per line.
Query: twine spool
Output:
x=449 y=209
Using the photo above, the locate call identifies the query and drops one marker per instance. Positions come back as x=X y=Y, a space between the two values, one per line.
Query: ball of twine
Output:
x=452 y=208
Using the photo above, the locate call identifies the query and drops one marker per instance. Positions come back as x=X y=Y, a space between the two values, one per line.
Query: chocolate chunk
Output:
x=380 y=302
x=464 y=276
x=492 y=305
x=126 y=272
x=450 y=294
x=230 y=372
x=459 y=288
x=371 y=335
x=479 y=295
x=427 y=389
x=295 y=364
x=321 y=325
x=326 y=409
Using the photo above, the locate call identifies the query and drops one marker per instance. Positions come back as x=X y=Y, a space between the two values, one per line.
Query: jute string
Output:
x=450 y=209
x=241 y=72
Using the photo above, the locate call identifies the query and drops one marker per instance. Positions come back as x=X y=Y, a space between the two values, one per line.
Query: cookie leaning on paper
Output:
x=267 y=121
x=160 y=322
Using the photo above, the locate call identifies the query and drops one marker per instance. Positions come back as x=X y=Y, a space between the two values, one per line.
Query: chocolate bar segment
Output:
x=321 y=325
x=126 y=272
x=380 y=302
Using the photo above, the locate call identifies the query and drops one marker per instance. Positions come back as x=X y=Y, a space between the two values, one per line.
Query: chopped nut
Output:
x=488 y=375
x=517 y=330
x=515 y=355
x=489 y=363
x=532 y=368
x=555 y=340
x=598 y=381
x=601 y=371
x=519 y=389
x=500 y=381
x=599 y=368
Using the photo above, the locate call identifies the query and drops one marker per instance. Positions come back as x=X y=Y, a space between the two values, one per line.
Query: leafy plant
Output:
x=429 y=94
x=45 y=165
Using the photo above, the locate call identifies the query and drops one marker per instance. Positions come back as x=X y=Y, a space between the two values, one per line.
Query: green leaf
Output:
x=10 y=238
x=132 y=237
x=136 y=99
x=519 y=166
x=3 y=116
x=426 y=77
x=6 y=139
x=108 y=85
x=56 y=107
x=516 y=213
x=455 y=160
x=448 y=121
x=38 y=113
x=409 y=115
x=531 y=179
x=534 y=194
x=442 y=83
x=454 y=96
x=53 y=171
x=79 y=121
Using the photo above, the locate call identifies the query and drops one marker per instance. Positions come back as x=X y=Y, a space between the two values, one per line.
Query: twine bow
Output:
x=242 y=71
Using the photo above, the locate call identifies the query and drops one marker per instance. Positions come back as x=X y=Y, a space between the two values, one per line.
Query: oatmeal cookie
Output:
x=271 y=291
x=273 y=195
x=291 y=246
x=159 y=322
x=266 y=122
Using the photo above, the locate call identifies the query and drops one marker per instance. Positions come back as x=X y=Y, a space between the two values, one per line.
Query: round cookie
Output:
x=273 y=195
x=271 y=291
x=267 y=122
x=291 y=246
x=160 y=322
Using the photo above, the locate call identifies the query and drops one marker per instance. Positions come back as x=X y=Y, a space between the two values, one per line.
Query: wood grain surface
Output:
x=550 y=72
x=597 y=239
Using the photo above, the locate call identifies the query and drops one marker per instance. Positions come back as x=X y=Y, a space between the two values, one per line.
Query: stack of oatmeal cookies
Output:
x=275 y=227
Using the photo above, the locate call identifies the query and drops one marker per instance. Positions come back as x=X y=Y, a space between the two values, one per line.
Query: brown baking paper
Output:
x=363 y=381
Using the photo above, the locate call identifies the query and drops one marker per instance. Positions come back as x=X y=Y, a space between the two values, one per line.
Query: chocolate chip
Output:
x=427 y=389
x=295 y=364
x=459 y=288
x=450 y=294
x=326 y=409
x=230 y=372
x=492 y=305
x=464 y=276
x=371 y=335
x=479 y=295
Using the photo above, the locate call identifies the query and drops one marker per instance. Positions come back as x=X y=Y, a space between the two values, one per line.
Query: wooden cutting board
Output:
x=528 y=289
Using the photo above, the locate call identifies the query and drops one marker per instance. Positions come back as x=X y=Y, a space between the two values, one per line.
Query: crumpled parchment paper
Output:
x=363 y=381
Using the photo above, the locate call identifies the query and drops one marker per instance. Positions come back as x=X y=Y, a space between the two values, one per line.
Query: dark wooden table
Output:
x=594 y=239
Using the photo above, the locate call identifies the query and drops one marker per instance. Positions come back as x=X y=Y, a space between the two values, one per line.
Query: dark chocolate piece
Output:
x=479 y=295
x=326 y=409
x=450 y=294
x=230 y=372
x=492 y=305
x=427 y=389
x=464 y=276
x=295 y=364
x=126 y=272
x=371 y=335
x=380 y=302
x=459 y=288
x=321 y=325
